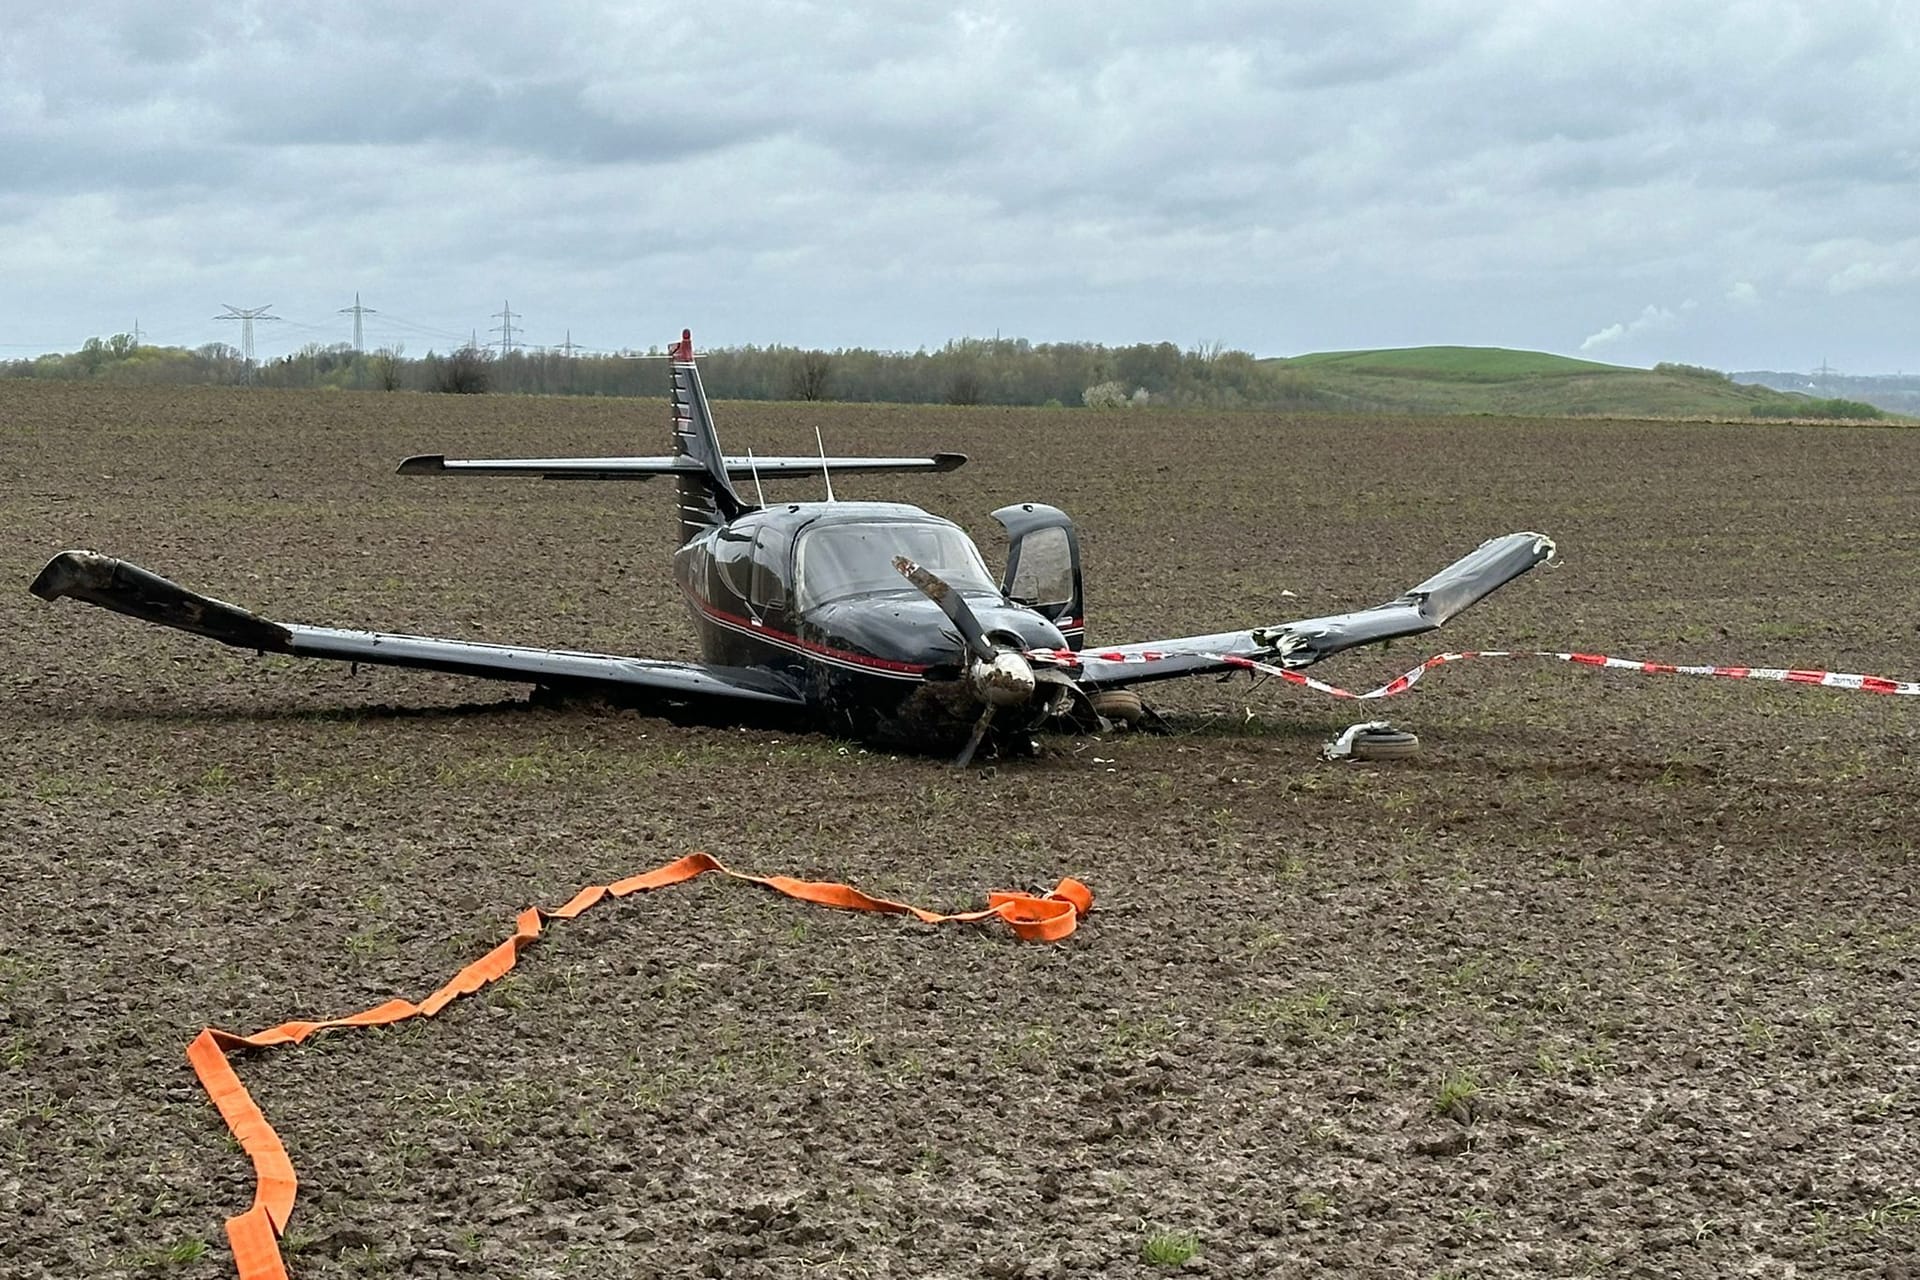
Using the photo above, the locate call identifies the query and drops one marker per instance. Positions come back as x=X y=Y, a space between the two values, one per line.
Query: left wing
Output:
x=129 y=589
x=1473 y=577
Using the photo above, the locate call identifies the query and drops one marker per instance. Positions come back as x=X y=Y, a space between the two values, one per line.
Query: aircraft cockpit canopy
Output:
x=835 y=561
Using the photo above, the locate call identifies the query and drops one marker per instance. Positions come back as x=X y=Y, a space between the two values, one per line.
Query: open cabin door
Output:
x=1043 y=566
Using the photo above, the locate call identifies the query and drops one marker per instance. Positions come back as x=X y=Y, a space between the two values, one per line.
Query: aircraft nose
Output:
x=1007 y=681
x=1019 y=628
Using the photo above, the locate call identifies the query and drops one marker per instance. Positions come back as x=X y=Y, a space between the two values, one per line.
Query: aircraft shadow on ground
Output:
x=147 y=713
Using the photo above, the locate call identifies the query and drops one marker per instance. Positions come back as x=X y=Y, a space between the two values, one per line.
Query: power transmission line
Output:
x=246 y=316
x=415 y=327
x=569 y=348
x=357 y=311
x=506 y=315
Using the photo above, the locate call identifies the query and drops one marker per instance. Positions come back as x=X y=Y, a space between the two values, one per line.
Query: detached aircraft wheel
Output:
x=1385 y=744
x=1123 y=706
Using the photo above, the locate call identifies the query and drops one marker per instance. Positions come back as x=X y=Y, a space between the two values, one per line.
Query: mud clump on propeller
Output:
x=1002 y=676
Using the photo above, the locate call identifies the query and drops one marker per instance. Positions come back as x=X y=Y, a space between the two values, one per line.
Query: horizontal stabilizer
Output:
x=644 y=468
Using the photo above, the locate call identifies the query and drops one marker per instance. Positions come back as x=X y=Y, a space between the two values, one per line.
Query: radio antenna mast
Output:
x=824 y=473
x=755 y=468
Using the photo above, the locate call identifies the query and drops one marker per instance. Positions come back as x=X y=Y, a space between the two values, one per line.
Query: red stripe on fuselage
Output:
x=807 y=648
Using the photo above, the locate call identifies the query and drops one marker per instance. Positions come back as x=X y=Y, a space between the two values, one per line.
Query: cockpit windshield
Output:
x=840 y=560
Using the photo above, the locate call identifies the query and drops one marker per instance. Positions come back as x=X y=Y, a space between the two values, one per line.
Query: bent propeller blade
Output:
x=974 y=739
x=938 y=590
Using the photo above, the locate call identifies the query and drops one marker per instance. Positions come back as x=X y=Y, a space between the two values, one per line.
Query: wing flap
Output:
x=553 y=667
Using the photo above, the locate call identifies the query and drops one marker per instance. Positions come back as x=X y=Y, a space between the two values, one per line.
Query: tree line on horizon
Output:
x=966 y=371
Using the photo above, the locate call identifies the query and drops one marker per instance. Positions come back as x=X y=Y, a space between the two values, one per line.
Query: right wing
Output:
x=129 y=589
x=647 y=467
x=1473 y=577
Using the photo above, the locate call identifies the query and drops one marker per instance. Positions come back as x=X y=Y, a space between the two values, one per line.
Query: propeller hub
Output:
x=1007 y=681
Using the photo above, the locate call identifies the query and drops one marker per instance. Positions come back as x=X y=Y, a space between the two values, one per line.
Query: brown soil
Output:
x=1618 y=976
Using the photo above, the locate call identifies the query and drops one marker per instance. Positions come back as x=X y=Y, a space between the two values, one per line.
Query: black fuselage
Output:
x=806 y=590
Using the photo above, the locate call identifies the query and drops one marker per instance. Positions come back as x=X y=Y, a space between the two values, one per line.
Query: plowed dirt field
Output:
x=1620 y=975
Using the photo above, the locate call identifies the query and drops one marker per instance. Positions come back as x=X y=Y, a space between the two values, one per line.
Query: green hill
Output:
x=1496 y=380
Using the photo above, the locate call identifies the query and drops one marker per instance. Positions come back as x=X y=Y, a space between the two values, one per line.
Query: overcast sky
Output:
x=1730 y=184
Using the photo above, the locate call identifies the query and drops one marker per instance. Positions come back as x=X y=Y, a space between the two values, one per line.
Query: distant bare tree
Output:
x=963 y=385
x=386 y=366
x=465 y=372
x=807 y=378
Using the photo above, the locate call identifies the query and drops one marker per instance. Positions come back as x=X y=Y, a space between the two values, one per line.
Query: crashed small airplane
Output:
x=873 y=619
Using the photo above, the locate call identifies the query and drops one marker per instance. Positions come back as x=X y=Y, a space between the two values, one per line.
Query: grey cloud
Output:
x=1493 y=167
x=148 y=34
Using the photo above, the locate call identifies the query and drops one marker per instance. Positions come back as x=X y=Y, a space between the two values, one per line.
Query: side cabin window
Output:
x=1044 y=575
x=731 y=567
x=772 y=550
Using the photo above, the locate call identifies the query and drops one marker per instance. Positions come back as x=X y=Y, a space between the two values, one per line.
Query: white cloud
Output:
x=1878 y=267
x=1652 y=319
x=1604 y=338
x=1743 y=294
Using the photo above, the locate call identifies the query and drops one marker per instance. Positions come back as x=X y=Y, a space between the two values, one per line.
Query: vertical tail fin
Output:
x=706 y=499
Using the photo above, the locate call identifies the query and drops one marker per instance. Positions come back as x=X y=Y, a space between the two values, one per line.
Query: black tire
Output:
x=1385 y=744
x=1122 y=706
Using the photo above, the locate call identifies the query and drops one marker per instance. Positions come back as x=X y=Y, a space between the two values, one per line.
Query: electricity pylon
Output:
x=246 y=316
x=356 y=311
x=506 y=315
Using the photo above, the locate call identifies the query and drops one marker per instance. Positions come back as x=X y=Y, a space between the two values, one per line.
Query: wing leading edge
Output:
x=1472 y=578
x=127 y=588
x=643 y=468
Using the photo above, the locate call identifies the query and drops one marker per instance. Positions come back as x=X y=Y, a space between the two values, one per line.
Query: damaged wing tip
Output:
x=50 y=581
x=58 y=578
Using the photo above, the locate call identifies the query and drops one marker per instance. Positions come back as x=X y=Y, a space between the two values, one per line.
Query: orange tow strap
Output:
x=255 y=1234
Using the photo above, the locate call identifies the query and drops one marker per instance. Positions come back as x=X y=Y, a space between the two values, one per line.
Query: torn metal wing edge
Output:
x=127 y=588
x=1472 y=578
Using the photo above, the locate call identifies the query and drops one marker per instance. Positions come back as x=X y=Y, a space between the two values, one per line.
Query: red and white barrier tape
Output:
x=1400 y=684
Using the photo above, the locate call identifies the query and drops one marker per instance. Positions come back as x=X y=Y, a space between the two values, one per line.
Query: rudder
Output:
x=707 y=498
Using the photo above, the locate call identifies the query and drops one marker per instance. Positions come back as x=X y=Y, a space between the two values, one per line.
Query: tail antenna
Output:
x=755 y=468
x=824 y=473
